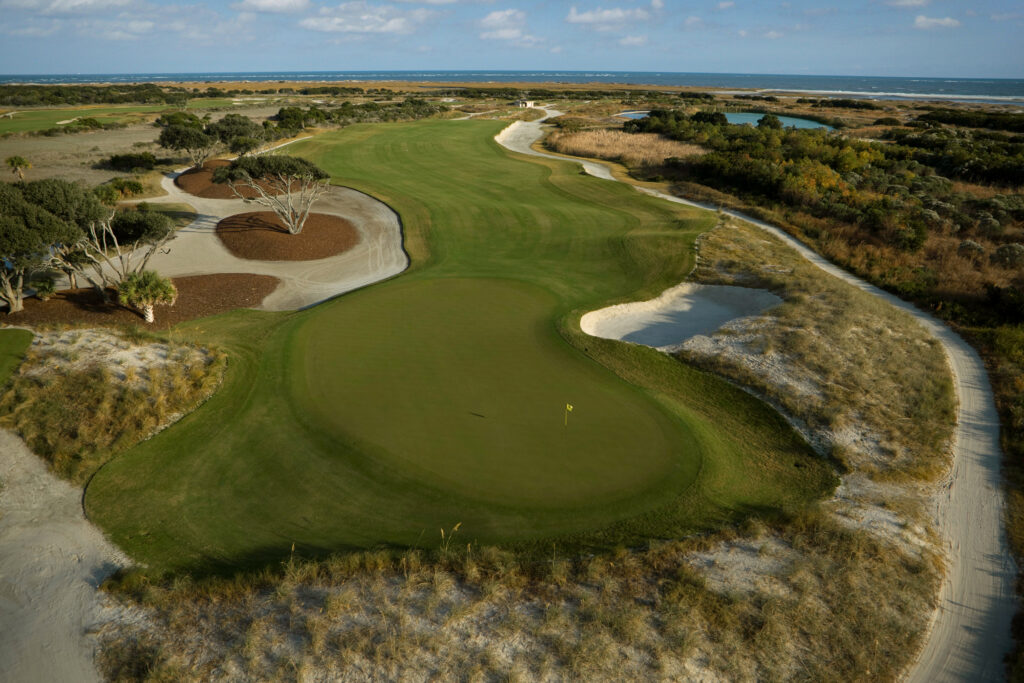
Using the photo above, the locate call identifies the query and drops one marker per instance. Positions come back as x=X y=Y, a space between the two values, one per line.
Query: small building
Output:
x=525 y=104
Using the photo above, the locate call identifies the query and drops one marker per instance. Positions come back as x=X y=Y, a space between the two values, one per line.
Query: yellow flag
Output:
x=568 y=406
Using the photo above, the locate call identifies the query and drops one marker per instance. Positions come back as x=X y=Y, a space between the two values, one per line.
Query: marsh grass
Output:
x=633 y=150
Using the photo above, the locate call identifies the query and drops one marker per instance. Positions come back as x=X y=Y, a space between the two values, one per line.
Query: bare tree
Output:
x=116 y=247
x=286 y=185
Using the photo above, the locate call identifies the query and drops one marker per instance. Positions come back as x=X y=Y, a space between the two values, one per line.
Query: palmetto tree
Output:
x=18 y=165
x=145 y=290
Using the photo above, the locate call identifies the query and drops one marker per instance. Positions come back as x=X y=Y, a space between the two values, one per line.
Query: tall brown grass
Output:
x=633 y=150
x=45 y=407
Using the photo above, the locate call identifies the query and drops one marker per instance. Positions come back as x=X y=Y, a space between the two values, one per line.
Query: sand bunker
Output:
x=680 y=313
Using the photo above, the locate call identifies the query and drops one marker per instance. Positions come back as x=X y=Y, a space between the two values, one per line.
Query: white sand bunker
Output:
x=681 y=312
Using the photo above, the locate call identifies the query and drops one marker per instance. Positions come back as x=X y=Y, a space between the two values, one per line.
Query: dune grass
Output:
x=438 y=397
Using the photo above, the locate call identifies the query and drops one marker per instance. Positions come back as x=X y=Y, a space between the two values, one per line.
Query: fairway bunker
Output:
x=682 y=312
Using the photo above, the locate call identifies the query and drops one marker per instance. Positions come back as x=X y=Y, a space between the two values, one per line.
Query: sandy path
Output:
x=51 y=560
x=971 y=632
x=196 y=250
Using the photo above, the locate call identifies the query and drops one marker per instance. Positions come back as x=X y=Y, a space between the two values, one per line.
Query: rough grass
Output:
x=639 y=150
x=13 y=344
x=54 y=388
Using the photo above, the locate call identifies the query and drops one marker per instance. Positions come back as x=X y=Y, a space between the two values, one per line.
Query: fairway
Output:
x=40 y=119
x=438 y=397
x=13 y=344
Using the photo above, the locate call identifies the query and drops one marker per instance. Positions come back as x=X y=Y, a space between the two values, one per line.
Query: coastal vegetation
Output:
x=935 y=214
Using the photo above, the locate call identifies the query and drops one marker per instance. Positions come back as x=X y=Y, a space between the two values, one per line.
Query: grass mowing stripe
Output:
x=352 y=424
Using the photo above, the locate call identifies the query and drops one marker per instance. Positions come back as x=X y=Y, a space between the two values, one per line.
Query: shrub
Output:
x=970 y=249
x=130 y=162
x=1009 y=255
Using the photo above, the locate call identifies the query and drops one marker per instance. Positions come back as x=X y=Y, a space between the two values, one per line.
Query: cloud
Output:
x=693 y=22
x=607 y=19
x=63 y=6
x=908 y=3
x=118 y=29
x=926 y=23
x=271 y=5
x=725 y=5
x=633 y=41
x=508 y=25
x=742 y=33
x=657 y=4
x=773 y=35
x=35 y=30
x=362 y=17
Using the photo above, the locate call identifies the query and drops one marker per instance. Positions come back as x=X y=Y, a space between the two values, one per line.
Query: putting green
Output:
x=439 y=397
x=496 y=430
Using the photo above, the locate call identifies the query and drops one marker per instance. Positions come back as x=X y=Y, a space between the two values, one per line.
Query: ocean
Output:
x=992 y=90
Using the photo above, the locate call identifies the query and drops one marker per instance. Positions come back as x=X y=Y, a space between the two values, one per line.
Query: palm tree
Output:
x=145 y=290
x=18 y=165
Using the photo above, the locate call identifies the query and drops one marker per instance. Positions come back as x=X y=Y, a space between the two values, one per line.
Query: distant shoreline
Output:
x=991 y=91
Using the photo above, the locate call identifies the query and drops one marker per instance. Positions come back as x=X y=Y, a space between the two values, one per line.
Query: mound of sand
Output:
x=261 y=236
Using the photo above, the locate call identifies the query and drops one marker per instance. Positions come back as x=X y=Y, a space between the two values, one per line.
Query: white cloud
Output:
x=725 y=5
x=63 y=6
x=923 y=22
x=773 y=35
x=607 y=19
x=742 y=33
x=362 y=17
x=908 y=3
x=693 y=22
x=657 y=4
x=35 y=30
x=507 y=25
x=271 y=5
x=118 y=29
x=633 y=41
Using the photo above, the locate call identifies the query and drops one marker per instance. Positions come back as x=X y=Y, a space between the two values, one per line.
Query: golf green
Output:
x=439 y=397
x=497 y=430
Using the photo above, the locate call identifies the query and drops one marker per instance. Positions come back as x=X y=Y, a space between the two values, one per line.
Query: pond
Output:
x=681 y=312
x=789 y=121
x=633 y=114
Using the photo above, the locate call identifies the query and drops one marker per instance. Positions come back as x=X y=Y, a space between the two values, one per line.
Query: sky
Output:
x=927 y=38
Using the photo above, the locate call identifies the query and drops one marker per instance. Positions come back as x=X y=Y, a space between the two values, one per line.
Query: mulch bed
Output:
x=198 y=296
x=199 y=182
x=261 y=236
